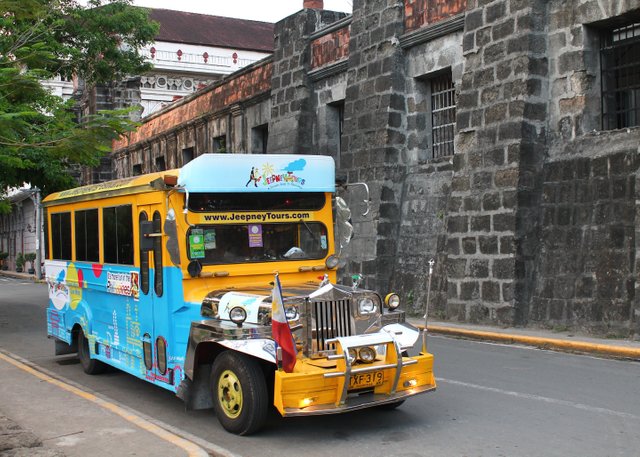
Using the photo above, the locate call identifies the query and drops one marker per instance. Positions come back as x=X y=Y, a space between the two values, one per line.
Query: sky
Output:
x=257 y=10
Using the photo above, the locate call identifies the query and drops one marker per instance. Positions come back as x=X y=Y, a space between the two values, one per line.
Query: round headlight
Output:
x=332 y=261
x=291 y=313
x=367 y=354
x=353 y=355
x=392 y=300
x=366 y=306
x=238 y=315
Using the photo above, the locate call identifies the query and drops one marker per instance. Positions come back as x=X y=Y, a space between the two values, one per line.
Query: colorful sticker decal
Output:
x=267 y=175
x=255 y=236
x=323 y=241
x=210 y=239
x=119 y=283
x=56 y=273
x=135 y=285
x=250 y=303
x=196 y=246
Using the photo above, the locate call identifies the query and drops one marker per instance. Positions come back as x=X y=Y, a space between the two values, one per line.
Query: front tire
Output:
x=89 y=365
x=239 y=391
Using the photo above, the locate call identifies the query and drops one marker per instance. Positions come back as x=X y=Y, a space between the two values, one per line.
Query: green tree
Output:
x=40 y=137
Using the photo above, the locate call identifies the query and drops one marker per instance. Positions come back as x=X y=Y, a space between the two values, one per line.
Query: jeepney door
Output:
x=154 y=313
x=145 y=243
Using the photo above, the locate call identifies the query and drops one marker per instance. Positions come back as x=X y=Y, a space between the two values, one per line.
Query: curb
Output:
x=539 y=342
x=23 y=276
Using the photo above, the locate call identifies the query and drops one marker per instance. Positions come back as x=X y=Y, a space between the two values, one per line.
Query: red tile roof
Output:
x=202 y=29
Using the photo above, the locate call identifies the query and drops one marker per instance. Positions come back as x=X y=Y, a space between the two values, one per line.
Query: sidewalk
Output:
x=25 y=276
x=53 y=418
x=565 y=341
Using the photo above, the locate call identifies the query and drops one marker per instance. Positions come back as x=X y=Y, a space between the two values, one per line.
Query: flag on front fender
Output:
x=280 y=328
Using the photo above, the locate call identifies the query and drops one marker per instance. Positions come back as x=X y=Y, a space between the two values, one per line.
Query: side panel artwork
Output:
x=104 y=300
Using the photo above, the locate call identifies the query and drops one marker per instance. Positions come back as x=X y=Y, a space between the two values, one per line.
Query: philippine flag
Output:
x=280 y=328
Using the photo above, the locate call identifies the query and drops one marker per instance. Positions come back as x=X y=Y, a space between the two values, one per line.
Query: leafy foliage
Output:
x=40 y=137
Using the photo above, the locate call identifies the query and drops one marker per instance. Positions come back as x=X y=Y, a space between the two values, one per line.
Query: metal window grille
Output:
x=620 y=62
x=443 y=115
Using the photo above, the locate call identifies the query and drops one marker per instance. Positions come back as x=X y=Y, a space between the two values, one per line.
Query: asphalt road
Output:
x=492 y=400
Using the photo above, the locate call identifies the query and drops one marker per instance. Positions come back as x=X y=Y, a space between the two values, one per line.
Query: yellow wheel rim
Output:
x=230 y=394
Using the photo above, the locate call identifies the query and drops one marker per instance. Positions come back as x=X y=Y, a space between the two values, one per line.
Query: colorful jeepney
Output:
x=169 y=277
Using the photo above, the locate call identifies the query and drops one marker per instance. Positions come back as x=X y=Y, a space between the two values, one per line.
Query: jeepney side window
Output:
x=61 y=236
x=117 y=226
x=87 y=236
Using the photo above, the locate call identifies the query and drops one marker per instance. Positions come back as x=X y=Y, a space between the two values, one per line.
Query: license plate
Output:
x=361 y=380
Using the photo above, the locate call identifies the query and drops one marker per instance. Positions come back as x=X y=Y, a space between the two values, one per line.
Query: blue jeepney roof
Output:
x=258 y=173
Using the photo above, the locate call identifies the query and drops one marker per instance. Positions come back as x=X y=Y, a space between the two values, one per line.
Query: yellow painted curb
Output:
x=191 y=448
x=545 y=343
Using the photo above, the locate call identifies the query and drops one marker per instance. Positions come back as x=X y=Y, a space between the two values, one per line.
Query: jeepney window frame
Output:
x=76 y=212
x=60 y=232
x=299 y=223
x=105 y=237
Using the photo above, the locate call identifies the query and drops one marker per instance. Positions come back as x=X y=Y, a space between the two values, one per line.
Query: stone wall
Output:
x=532 y=221
x=587 y=264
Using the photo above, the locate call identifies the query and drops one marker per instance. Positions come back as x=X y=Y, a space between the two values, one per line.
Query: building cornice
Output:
x=328 y=70
x=433 y=31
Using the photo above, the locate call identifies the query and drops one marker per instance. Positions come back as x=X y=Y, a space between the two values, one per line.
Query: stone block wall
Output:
x=586 y=269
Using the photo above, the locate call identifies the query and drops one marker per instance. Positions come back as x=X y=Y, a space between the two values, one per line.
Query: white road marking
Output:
x=571 y=404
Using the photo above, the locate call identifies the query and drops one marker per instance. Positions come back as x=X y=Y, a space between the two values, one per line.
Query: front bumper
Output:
x=313 y=390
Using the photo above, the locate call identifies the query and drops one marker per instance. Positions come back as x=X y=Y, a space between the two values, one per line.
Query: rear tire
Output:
x=89 y=365
x=239 y=392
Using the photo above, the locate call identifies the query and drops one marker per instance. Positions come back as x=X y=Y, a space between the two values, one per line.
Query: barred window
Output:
x=620 y=62
x=443 y=115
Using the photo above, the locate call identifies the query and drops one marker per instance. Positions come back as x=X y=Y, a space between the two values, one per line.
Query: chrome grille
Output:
x=331 y=319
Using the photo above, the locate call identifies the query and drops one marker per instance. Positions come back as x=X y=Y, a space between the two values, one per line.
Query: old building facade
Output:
x=498 y=137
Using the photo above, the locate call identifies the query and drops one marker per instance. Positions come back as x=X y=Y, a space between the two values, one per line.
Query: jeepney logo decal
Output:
x=267 y=175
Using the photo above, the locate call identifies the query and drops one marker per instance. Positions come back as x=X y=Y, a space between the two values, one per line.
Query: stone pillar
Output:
x=493 y=216
x=374 y=136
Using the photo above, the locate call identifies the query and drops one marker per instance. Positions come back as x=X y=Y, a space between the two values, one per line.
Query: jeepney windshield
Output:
x=248 y=243
x=256 y=227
